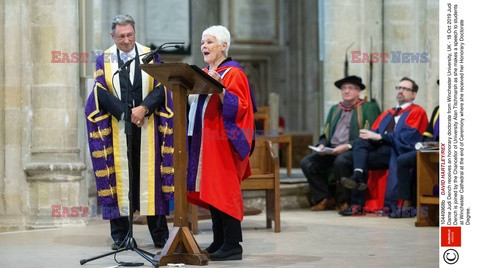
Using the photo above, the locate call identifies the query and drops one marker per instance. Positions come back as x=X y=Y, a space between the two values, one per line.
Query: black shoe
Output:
x=159 y=245
x=352 y=211
x=351 y=183
x=227 y=253
x=213 y=247
x=118 y=244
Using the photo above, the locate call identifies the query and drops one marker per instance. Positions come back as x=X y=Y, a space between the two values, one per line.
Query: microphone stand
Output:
x=129 y=240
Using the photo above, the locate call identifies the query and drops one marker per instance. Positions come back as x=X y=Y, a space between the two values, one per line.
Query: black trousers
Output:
x=226 y=229
x=317 y=168
x=343 y=167
x=406 y=171
x=368 y=155
x=157 y=225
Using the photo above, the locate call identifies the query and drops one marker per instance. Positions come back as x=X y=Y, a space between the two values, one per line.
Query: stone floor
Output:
x=308 y=239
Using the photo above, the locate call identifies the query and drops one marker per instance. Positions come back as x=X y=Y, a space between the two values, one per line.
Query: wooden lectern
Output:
x=181 y=78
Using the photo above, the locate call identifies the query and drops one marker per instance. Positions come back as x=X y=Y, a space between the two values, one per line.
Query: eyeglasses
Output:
x=128 y=36
x=403 y=88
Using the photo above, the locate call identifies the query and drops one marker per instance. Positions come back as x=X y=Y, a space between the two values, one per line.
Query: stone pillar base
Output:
x=57 y=195
x=12 y=223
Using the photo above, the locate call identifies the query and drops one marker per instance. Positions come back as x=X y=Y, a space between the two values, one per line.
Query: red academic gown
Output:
x=408 y=131
x=225 y=145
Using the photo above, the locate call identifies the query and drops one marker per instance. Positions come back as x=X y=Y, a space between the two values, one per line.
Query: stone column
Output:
x=13 y=187
x=349 y=26
x=301 y=95
x=405 y=30
x=412 y=27
x=2 y=109
x=43 y=167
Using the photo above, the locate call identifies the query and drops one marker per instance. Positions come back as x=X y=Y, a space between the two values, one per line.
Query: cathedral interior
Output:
x=292 y=52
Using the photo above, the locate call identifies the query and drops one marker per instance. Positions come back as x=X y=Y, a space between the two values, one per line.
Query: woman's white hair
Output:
x=221 y=33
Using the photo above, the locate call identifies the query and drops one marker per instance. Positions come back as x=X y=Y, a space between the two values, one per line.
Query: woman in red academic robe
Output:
x=220 y=130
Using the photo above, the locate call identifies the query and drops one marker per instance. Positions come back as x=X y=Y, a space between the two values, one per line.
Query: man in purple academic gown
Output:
x=152 y=138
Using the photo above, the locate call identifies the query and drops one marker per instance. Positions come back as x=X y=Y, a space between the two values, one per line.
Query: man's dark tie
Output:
x=391 y=124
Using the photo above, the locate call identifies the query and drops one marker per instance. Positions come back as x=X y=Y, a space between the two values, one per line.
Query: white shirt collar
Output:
x=127 y=55
x=403 y=106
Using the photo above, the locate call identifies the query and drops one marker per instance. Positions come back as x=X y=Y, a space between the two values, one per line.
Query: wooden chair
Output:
x=265 y=176
x=263 y=115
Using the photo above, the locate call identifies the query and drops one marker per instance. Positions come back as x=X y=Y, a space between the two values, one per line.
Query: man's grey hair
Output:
x=122 y=20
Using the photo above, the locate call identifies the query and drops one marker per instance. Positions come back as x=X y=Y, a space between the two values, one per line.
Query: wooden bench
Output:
x=265 y=176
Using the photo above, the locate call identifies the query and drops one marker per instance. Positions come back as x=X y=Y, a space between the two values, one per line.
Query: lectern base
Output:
x=181 y=247
x=192 y=259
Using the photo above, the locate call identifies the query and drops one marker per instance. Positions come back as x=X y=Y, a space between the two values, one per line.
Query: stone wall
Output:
x=41 y=149
x=2 y=109
x=382 y=27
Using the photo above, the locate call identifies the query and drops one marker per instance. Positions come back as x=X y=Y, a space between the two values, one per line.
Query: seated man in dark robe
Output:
x=406 y=171
x=395 y=132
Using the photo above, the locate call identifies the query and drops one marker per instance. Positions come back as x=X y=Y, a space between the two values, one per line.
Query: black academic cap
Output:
x=350 y=79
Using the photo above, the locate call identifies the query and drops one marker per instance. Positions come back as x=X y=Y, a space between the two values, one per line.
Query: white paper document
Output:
x=318 y=150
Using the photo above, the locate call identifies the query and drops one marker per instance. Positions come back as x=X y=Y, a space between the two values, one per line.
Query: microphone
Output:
x=153 y=53
x=149 y=55
x=126 y=64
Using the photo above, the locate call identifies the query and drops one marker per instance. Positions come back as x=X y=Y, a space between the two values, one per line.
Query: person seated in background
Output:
x=395 y=132
x=342 y=126
x=406 y=171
